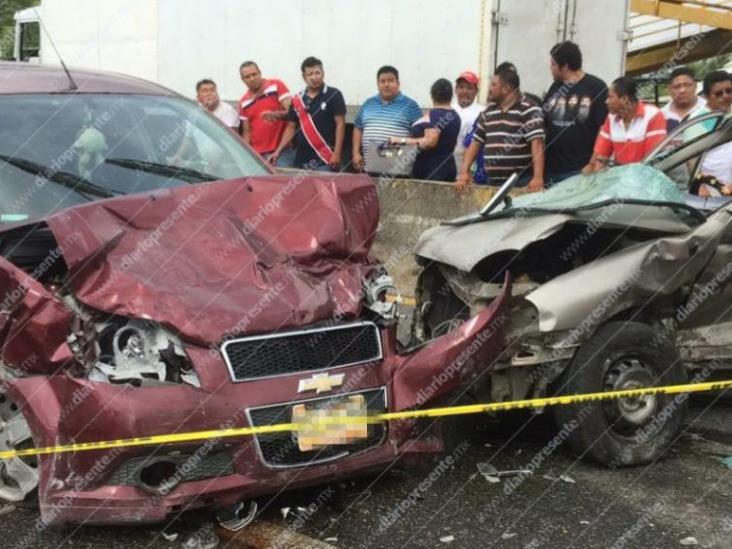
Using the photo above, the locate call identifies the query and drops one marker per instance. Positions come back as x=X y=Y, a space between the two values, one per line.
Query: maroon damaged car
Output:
x=156 y=277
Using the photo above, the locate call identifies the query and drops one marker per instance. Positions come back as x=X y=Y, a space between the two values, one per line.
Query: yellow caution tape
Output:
x=377 y=418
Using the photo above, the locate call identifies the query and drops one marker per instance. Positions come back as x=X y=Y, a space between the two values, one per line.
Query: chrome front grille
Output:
x=302 y=351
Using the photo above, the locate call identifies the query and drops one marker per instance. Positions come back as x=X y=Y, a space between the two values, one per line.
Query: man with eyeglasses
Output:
x=684 y=102
x=717 y=163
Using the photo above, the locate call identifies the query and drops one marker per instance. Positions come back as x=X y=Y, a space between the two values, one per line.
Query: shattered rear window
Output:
x=629 y=182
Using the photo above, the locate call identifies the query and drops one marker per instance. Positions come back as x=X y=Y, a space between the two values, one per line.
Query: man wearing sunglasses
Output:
x=717 y=163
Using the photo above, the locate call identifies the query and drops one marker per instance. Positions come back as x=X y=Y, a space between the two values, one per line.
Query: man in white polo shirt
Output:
x=684 y=102
x=466 y=105
x=717 y=163
x=208 y=97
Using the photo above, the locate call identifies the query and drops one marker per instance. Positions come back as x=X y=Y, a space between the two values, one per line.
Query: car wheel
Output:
x=18 y=476
x=630 y=431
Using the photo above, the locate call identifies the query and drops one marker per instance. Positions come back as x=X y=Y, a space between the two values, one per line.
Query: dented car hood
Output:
x=209 y=260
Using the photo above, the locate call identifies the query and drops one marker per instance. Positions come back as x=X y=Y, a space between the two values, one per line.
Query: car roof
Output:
x=28 y=78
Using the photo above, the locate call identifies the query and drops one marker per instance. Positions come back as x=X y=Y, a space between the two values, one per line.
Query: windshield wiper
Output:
x=74 y=182
x=501 y=196
x=186 y=174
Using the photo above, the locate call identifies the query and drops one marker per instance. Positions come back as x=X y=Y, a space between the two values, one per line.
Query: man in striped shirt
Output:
x=631 y=130
x=509 y=134
x=388 y=114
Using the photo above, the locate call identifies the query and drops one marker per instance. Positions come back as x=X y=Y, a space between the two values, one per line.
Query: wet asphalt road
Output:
x=686 y=494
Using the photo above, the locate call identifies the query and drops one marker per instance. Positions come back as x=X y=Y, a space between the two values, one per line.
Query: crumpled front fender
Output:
x=33 y=323
x=440 y=367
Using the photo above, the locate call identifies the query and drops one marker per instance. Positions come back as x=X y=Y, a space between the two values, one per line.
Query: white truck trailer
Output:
x=178 y=42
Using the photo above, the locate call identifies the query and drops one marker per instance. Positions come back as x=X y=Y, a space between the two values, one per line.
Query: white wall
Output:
x=103 y=34
x=424 y=39
x=178 y=42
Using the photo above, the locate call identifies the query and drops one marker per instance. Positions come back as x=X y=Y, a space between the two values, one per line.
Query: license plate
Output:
x=319 y=429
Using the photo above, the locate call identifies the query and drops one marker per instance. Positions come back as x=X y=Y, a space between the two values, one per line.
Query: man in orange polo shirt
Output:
x=262 y=109
x=631 y=129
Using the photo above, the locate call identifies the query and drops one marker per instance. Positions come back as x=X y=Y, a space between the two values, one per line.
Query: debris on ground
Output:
x=203 y=538
x=727 y=462
x=563 y=478
x=262 y=533
x=488 y=472
x=238 y=517
x=6 y=509
x=331 y=540
x=710 y=447
x=447 y=539
x=170 y=537
x=687 y=542
x=493 y=475
x=508 y=535
x=285 y=511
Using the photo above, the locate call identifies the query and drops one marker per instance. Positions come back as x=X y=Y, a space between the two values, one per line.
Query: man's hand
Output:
x=335 y=162
x=535 y=185
x=357 y=161
x=271 y=116
x=462 y=183
x=272 y=160
x=587 y=170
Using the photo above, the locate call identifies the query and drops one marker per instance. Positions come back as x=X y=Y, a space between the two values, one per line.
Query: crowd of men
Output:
x=580 y=125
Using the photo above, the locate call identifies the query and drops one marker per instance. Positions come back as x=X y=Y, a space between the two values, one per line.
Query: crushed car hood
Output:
x=464 y=246
x=240 y=256
x=634 y=275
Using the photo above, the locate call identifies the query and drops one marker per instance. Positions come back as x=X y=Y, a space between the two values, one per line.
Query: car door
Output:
x=679 y=154
x=705 y=318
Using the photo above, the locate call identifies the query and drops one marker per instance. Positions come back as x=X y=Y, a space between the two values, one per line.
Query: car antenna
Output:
x=72 y=84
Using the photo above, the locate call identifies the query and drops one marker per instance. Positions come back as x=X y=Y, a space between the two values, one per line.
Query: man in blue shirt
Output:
x=388 y=114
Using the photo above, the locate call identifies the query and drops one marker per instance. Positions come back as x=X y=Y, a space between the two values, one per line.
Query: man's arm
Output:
x=537 y=159
x=340 y=137
x=285 y=103
x=603 y=150
x=428 y=141
x=285 y=99
x=246 y=132
x=533 y=131
x=655 y=133
x=471 y=153
x=356 y=152
x=287 y=136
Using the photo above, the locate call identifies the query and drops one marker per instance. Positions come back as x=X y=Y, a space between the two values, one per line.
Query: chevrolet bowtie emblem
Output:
x=320 y=383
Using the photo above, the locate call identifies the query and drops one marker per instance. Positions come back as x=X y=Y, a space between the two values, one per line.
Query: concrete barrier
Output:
x=408 y=208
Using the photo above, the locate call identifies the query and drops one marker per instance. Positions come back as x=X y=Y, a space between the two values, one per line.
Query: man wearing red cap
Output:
x=466 y=105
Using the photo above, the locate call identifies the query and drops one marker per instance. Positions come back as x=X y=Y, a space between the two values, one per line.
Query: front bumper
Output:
x=75 y=487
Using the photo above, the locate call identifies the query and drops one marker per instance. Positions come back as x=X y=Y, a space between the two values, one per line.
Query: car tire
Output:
x=18 y=476
x=622 y=432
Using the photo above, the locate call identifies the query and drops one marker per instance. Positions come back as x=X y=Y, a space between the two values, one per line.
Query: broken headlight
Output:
x=381 y=295
x=131 y=351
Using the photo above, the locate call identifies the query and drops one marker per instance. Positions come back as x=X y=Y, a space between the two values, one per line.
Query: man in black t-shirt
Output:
x=316 y=121
x=574 y=110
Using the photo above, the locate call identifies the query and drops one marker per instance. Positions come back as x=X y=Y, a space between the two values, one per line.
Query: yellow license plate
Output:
x=331 y=424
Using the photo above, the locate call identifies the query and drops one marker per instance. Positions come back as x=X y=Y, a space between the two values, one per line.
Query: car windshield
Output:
x=648 y=198
x=58 y=151
x=632 y=183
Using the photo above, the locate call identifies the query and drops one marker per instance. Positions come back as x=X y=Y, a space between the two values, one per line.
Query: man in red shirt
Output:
x=262 y=109
x=631 y=129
